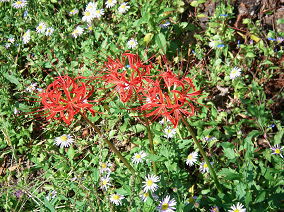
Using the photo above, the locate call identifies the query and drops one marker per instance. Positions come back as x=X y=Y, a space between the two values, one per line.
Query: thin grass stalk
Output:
x=113 y=148
x=211 y=170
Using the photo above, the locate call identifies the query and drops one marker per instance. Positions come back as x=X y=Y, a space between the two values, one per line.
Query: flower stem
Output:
x=113 y=148
x=151 y=144
x=212 y=172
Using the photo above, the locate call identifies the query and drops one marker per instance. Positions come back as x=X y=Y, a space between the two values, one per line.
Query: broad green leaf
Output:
x=161 y=42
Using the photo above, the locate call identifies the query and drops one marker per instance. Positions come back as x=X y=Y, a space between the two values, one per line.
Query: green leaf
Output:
x=194 y=4
x=48 y=205
x=11 y=78
x=70 y=153
x=161 y=42
x=230 y=174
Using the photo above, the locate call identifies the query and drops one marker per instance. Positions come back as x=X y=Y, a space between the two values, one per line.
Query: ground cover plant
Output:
x=141 y=106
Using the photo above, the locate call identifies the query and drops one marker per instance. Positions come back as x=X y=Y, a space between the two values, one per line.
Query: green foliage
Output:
x=237 y=120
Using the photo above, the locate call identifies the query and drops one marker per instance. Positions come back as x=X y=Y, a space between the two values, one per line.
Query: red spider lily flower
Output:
x=65 y=97
x=126 y=79
x=169 y=102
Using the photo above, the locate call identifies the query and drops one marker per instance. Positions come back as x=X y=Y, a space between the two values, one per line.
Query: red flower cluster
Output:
x=65 y=97
x=159 y=95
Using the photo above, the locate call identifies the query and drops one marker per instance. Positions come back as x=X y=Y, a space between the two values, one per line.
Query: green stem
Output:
x=151 y=144
x=113 y=148
x=212 y=172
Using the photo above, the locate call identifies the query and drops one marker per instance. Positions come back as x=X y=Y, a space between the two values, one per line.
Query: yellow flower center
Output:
x=19 y=2
x=137 y=156
x=150 y=182
x=63 y=138
x=189 y=157
x=40 y=27
x=165 y=206
x=205 y=166
x=104 y=182
x=236 y=210
x=103 y=165
x=87 y=13
x=109 y=1
x=115 y=197
x=146 y=195
x=75 y=31
x=277 y=151
x=122 y=6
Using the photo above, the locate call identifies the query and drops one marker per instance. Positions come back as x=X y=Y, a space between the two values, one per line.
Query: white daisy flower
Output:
x=73 y=11
x=105 y=182
x=236 y=72
x=77 y=32
x=110 y=3
x=41 y=27
x=123 y=8
x=11 y=40
x=204 y=167
x=64 y=140
x=98 y=13
x=51 y=195
x=277 y=149
x=167 y=205
x=132 y=43
x=105 y=167
x=91 y=6
x=26 y=37
x=88 y=16
x=49 y=31
x=191 y=159
x=150 y=183
x=237 y=208
x=138 y=157
x=89 y=27
x=20 y=4
x=144 y=196
x=116 y=199
x=169 y=132
x=31 y=87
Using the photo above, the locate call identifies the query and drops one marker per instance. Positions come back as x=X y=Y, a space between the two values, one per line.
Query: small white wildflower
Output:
x=123 y=8
x=88 y=16
x=11 y=40
x=51 y=195
x=237 y=208
x=91 y=6
x=73 y=11
x=204 y=167
x=150 y=183
x=98 y=13
x=64 y=140
x=138 y=157
x=167 y=205
x=104 y=167
x=20 y=4
x=110 y=3
x=77 y=31
x=31 y=87
x=41 y=27
x=277 y=149
x=191 y=158
x=26 y=37
x=236 y=72
x=116 y=198
x=89 y=27
x=132 y=43
x=169 y=132
x=144 y=196
x=49 y=31
x=105 y=182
